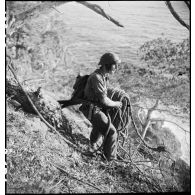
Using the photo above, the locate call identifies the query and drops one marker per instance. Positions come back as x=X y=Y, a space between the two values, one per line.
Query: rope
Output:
x=117 y=114
x=121 y=121
x=120 y=117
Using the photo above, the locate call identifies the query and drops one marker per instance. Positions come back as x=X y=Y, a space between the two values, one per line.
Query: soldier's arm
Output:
x=106 y=101
x=100 y=92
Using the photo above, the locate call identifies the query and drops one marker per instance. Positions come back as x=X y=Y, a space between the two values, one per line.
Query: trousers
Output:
x=99 y=122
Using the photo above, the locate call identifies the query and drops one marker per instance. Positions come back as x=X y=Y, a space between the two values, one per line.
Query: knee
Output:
x=113 y=131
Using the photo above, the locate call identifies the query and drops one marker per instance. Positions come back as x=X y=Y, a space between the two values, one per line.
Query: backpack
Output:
x=79 y=87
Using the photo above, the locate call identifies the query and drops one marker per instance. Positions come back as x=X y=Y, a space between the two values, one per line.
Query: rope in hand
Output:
x=124 y=116
x=114 y=114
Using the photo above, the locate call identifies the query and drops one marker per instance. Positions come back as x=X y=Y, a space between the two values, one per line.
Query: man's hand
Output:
x=118 y=104
x=110 y=103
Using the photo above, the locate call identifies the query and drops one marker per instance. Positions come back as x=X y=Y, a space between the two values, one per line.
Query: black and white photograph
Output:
x=97 y=97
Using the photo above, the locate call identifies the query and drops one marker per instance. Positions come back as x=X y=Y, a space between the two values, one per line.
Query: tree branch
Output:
x=147 y=123
x=68 y=174
x=39 y=114
x=99 y=10
x=159 y=148
x=188 y=4
x=160 y=110
x=176 y=16
x=157 y=119
x=35 y=11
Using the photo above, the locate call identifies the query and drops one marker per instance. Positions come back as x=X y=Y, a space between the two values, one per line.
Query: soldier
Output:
x=96 y=91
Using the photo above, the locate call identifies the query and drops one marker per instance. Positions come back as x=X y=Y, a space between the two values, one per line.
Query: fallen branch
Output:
x=41 y=117
x=68 y=174
x=160 y=110
x=158 y=149
x=159 y=189
x=147 y=123
x=158 y=119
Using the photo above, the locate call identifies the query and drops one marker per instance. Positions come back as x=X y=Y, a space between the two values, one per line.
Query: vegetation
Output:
x=164 y=75
x=40 y=161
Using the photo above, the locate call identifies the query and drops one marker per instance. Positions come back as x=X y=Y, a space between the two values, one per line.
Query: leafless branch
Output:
x=159 y=148
x=99 y=10
x=188 y=4
x=39 y=114
x=35 y=11
x=176 y=16
x=158 y=119
x=160 y=110
x=68 y=174
x=156 y=187
x=147 y=123
x=56 y=10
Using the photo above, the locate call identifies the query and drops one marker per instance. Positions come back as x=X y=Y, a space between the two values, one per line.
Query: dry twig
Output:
x=68 y=174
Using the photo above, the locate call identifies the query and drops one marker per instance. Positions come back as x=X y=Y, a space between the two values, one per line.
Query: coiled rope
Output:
x=118 y=117
x=121 y=118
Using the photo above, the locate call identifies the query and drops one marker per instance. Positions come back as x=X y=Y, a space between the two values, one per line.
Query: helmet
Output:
x=109 y=58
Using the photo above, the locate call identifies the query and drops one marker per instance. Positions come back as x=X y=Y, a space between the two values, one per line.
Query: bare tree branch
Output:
x=35 y=11
x=159 y=148
x=99 y=10
x=176 y=16
x=188 y=4
x=158 y=119
x=147 y=123
x=40 y=115
x=160 y=110
x=71 y=176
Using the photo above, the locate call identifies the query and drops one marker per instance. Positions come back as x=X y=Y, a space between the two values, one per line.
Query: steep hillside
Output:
x=39 y=161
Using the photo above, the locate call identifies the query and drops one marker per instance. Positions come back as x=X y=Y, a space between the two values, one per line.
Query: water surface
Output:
x=143 y=21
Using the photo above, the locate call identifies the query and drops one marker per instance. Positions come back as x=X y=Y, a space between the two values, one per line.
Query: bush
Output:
x=171 y=57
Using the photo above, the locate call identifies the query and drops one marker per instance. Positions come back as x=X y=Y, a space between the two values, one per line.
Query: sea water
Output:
x=93 y=35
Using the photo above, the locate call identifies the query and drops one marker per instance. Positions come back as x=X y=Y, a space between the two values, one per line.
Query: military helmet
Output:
x=109 y=58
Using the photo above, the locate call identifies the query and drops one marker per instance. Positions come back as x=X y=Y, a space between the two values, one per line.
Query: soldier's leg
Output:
x=100 y=122
x=110 y=146
x=95 y=134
